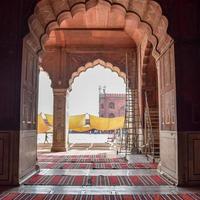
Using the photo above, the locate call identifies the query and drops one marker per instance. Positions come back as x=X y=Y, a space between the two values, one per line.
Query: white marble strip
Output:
x=98 y=172
x=102 y=189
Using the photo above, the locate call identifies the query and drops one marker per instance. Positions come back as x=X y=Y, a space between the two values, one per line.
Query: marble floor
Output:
x=109 y=190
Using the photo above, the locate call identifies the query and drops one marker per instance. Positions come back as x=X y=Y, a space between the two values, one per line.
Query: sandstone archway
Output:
x=137 y=18
x=56 y=25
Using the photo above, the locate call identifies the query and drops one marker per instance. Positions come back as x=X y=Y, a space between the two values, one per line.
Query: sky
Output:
x=84 y=97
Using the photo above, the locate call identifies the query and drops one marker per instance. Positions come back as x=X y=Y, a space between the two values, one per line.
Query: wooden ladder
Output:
x=130 y=137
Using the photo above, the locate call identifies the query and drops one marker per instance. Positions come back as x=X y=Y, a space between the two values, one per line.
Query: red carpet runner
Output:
x=80 y=160
x=152 y=180
x=22 y=196
x=58 y=157
x=53 y=165
x=101 y=155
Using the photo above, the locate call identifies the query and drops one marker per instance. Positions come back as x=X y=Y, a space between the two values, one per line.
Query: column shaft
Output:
x=59 y=122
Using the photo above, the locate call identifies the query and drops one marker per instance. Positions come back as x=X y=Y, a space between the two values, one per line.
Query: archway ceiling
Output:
x=89 y=38
x=135 y=17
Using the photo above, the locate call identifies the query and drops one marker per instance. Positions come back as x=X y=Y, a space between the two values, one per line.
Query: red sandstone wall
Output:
x=117 y=99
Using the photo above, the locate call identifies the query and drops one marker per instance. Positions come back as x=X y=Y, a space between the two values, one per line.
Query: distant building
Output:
x=111 y=105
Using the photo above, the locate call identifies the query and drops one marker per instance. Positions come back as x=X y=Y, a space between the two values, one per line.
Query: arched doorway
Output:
x=91 y=90
x=150 y=104
x=113 y=32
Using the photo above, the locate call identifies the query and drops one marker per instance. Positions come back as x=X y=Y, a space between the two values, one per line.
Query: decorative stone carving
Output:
x=167 y=90
x=58 y=6
x=168 y=108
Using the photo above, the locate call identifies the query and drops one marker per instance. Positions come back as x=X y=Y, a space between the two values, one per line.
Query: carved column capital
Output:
x=60 y=91
x=58 y=84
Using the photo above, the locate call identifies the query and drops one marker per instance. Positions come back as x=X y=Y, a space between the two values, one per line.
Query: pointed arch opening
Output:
x=93 y=64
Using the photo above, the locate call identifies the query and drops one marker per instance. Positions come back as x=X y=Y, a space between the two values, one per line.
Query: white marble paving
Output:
x=103 y=189
x=98 y=172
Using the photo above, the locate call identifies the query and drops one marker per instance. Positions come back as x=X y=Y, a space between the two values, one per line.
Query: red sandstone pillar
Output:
x=59 y=122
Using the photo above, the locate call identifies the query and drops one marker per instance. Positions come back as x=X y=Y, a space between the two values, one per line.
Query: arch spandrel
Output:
x=62 y=64
x=149 y=19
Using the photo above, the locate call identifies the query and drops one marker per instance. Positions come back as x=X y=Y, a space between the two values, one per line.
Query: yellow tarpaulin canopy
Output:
x=42 y=127
x=82 y=129
x=105 y=124
x=76 y=121
x=49 y=119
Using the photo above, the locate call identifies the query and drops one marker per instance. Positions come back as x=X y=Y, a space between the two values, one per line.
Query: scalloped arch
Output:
x=92 y=65
x=138 y=18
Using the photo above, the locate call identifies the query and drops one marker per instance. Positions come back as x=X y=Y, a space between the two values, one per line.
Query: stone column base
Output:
x=58 y=149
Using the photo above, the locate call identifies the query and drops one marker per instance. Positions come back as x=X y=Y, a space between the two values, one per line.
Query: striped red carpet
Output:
x=100 y=155
x=80 y=160
x=53 y=165
x=65 y=180
x=55 y=157
x=103 y=155
x=22 y=196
